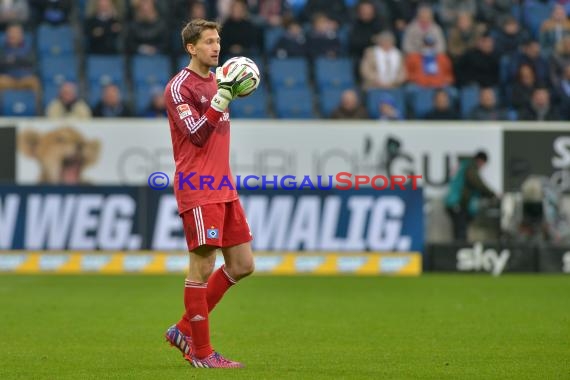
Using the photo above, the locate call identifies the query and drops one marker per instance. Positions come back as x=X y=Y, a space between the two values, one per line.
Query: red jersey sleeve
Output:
x=186 y=118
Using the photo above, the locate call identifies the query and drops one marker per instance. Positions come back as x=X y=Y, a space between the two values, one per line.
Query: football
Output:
x=245 y=66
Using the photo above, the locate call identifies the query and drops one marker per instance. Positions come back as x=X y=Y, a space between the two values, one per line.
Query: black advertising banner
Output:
x=554 y=259
x=544 y=153
x=7 y=154
x=479 y=257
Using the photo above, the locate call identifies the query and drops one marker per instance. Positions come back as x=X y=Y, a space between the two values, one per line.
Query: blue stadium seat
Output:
x=535 y=14
x=182 y=62
x=55 y=40
x=58 y=69
x=333 y=73
x=151 y=70
x=374 y=97
x=271 y=37
x=289 y=73
x=50 y=92
x=294 y=103
x=505 y=69
x=18 y=103
x=103 y=69
x=469 y=99
x=250 y=107
x=329 y=100
x=422 y=101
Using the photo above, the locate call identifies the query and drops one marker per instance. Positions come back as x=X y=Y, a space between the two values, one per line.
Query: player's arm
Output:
x=200 y=127
x=197 y=127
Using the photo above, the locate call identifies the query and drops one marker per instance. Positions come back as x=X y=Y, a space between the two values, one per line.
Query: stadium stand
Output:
x=62 y=55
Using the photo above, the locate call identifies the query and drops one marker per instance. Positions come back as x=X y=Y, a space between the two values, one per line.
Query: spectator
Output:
x=147 y=30
x=382 y=64
x=13 y=12
x=563 y=93
x=429 y=68
x=292 y=43
x=270 y=13
x=120 y=7
x=239 y=35
x=162 y=8
x=103 y=28
x=55 y=12
x=323 y=38
x=463 y=35
x=510 y=36
x=68 y=105
x=402 y=13
x=156 y=107
x=111 y=104
x=449 y=10
x=522 y=89
x=531 y=55
x=17 y=62
x=487 y=109
x=350 y=107
x=186 y=10
x=540 y=108
x=442 y=109
x=559 y=59
x=366 y=25
x=479 y=65
x=335 y=10
x=423 y=25
x=465 y=189
x=388 y=111
x=554 y=29
x=493 y=12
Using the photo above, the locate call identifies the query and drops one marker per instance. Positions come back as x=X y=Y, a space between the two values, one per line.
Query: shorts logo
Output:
x=212 y=233
x=183 y=111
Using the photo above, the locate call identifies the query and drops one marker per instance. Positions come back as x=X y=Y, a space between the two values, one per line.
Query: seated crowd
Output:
x=433 y=60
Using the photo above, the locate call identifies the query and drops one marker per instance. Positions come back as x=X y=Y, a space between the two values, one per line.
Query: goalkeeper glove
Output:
x=229 y=87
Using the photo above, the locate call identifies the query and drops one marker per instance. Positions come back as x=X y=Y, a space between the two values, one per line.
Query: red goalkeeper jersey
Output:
x=200 y=142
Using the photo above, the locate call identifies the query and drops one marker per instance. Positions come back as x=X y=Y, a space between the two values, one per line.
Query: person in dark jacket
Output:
x=465 y=189
x=540 y=108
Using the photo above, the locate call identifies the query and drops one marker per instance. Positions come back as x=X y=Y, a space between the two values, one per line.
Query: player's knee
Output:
x=242 y=270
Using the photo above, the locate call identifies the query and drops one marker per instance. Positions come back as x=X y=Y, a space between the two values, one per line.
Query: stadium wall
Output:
x=110 y=220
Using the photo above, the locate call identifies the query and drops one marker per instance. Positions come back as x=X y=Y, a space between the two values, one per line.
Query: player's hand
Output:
x=227 y=89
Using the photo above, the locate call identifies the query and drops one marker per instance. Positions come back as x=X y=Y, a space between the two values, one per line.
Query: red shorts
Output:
x=217 y=224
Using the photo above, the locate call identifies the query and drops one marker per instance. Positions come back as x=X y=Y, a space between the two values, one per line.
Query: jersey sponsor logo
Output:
x=203 y=99
x=183 y=111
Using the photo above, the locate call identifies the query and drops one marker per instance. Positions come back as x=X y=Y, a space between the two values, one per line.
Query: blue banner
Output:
x=135 y=218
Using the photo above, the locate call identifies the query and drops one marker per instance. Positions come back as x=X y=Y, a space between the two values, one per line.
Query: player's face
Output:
x=207 y=49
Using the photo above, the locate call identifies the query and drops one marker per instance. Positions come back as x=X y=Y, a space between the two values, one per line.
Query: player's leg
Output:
x=239 y=261
x=202 y=261
x=236 y=248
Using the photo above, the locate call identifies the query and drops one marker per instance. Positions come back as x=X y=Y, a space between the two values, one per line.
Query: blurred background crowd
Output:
x=344 y=59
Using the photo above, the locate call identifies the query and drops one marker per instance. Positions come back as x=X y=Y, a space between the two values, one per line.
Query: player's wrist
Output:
x=220 y=101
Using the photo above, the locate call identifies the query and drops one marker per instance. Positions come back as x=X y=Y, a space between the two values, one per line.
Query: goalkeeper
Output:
x=197 y=107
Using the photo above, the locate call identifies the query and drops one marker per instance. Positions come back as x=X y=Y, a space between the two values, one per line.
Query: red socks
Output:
x=197 y=311
x=218 y=283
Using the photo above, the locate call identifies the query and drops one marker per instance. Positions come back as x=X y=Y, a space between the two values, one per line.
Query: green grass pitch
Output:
x=431 y=327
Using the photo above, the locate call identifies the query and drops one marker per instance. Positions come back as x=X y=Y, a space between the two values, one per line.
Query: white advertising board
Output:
x=126 y=152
